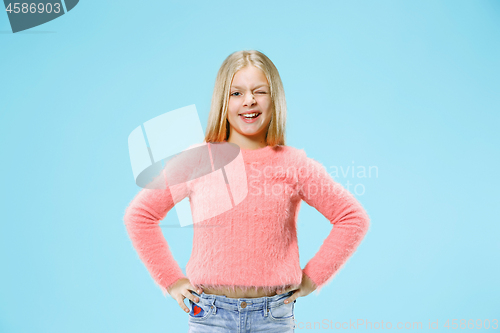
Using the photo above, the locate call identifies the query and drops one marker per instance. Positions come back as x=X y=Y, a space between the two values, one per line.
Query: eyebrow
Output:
x=261 y=85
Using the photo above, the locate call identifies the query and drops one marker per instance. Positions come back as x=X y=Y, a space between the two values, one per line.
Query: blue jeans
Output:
x=221 y=314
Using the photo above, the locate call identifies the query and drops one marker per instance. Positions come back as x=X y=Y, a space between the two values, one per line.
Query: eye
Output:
x=233 y=94
x=261 y=92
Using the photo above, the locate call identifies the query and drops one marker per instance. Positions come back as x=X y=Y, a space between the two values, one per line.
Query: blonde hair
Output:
x=218 y=126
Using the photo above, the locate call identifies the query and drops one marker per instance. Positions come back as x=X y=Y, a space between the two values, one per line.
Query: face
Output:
x=250 y=93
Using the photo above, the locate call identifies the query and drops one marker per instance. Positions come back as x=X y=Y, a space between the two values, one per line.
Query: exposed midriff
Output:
x=238 y=292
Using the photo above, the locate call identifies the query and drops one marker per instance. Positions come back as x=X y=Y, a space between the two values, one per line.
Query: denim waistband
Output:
x=243 y=304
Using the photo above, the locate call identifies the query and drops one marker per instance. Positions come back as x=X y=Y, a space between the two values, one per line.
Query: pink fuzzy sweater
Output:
x=253 y=244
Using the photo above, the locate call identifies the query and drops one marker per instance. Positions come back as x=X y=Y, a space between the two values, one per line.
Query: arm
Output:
x=350 y=221
x=142 y=218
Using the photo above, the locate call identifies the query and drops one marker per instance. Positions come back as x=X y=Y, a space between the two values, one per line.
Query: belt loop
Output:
x=214 y=310
x=265 y=306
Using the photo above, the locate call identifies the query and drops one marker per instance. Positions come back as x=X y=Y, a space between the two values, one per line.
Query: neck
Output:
x=248 y=143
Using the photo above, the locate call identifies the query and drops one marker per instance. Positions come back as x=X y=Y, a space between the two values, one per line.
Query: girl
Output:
x=244 y=273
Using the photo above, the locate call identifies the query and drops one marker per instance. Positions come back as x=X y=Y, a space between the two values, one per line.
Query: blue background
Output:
x=409 y=87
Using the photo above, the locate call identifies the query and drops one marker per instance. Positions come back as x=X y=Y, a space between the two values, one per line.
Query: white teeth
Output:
x=250 y=115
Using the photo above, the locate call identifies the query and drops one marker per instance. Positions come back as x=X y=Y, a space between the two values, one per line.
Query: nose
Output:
x=249 y=99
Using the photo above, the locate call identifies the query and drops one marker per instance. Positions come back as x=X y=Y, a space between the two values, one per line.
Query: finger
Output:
x=180 y=301
x=282 y=291
x=293 y=297
x=190 y=296
x=196 y=290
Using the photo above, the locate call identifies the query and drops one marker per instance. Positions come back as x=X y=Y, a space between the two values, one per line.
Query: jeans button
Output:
x=243 y=304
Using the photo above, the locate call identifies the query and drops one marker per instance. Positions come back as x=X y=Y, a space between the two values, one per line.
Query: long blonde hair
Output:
x=218 y=126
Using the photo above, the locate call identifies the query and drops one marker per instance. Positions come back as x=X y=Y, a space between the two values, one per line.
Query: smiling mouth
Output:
x=250 y=115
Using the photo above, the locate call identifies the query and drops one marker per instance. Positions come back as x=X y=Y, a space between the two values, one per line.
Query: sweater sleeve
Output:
x=349 y=220
x=142 y=218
